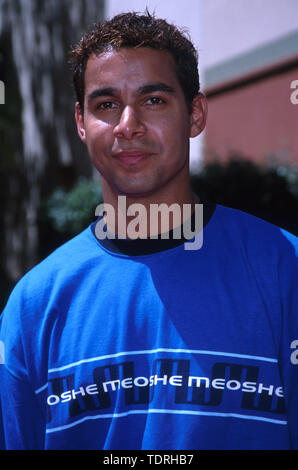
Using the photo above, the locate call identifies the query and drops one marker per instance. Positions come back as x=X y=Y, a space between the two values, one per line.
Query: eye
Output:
x=155 y=100
x=106 y=105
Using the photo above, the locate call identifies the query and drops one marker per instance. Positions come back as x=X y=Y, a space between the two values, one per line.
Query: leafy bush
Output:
x=70 y=212
x=266 y=192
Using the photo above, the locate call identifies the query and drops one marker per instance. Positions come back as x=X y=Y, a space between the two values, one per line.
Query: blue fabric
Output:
x=179 y=349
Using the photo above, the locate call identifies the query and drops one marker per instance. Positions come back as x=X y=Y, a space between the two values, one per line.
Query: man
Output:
x=126 y=342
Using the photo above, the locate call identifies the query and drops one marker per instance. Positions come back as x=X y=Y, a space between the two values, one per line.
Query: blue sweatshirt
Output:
x=115 y=344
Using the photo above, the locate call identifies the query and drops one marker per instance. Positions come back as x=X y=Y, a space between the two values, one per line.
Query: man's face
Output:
x=135 y=121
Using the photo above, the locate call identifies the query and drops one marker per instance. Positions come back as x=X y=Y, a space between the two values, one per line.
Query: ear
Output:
x=198 y=115
x=80 y=122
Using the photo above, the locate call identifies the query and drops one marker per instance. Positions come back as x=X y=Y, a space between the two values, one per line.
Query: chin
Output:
x=136 y=188
x=135 y=193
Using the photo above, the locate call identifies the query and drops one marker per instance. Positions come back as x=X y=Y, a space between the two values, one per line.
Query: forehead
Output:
x=130 y=67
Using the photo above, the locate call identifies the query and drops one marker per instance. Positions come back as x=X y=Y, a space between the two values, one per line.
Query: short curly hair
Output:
x=132 y=30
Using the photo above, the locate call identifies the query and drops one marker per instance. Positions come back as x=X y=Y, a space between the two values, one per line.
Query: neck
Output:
x=145 y=216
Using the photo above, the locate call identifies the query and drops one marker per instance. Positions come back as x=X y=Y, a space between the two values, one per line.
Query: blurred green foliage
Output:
x=270 y=193
x=71 y=211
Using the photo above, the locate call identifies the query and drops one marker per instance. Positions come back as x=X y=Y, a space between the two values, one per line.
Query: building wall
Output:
x=249 y=65
x=234 y=27
x=257 y=120
x=235 y=40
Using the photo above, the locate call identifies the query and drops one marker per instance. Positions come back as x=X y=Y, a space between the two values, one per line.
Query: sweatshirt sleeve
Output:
x=288 y=275
x=21 y=422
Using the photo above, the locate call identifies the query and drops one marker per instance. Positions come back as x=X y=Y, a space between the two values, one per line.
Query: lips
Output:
x=131 y=157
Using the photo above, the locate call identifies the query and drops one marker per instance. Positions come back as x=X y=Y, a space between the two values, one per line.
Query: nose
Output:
x=129 y=125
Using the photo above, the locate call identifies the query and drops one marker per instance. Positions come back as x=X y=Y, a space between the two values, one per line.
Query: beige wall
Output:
x=232 y=27
x=221 y=30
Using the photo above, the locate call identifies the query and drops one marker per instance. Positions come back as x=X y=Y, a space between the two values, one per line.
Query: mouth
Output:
x=132 y=157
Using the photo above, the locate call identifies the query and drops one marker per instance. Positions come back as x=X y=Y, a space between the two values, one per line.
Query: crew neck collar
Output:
x=148 y=246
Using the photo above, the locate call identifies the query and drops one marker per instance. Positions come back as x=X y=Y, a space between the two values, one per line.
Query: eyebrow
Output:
x=98 y=92
x=143 y=90
x=153 y=87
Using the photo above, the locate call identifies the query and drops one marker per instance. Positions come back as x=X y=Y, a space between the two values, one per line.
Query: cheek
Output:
x=173 y=133
x=98 y=138
x=175 y=124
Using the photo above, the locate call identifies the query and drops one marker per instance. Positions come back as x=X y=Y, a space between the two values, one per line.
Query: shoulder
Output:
x=42 y=295
x=255 y=233
x=257 y=250
x=37 y=286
